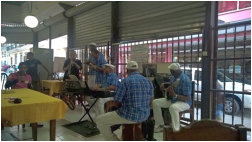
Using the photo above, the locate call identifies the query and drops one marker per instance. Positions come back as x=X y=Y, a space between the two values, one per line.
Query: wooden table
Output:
x=35 y=107
x=54 y=86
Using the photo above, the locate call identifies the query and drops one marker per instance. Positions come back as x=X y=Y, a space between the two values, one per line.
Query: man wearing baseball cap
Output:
x=134 y=94
x=111 y=83
x=179 y=98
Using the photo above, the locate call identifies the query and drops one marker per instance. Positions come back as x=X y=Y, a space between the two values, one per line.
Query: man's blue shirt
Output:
x=134 y=93
x=99 y=63
x=184 y=87
x=110 y=79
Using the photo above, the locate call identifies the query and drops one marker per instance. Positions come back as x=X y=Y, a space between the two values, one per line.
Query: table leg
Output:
x=50 y=92
x=52 y=130
x=34 y=131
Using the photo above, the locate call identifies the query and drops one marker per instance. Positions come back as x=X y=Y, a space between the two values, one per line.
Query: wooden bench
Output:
x=207 y=130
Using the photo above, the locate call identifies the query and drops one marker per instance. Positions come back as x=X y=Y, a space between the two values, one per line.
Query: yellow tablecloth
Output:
x=55 y=86
x=35 y=107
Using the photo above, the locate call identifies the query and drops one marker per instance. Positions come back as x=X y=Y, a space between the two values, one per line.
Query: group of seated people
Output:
x=134 y=94
x=135 y=97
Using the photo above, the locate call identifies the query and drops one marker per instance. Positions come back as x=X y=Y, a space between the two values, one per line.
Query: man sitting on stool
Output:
x=110 y=83
x=179 y=98
x=134 y=94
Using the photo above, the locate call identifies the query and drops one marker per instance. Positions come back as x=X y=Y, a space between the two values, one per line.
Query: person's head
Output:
x=72 y=55
x=109 y=68
x=132 y=66
x=94 y=52
x=92 y=46
x=30 y=55
x=174 y=69
x=22 y=67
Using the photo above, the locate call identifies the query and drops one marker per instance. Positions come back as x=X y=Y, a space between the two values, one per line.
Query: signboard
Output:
x=237 y=69
x=139 y=53
x=225 y=6
x=244 y=4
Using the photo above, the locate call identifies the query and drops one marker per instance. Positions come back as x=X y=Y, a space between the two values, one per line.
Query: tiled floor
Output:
x=62 y=134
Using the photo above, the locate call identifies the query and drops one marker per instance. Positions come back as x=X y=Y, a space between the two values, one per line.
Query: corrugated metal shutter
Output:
x=17 y=35
x=43 y=34
x=93 y=26
x=146 y=20
x=59 y=29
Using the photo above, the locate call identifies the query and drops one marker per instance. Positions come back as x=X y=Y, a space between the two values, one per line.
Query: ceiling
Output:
x=14 y=12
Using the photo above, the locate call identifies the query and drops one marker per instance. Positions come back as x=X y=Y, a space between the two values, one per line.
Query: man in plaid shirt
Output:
x=134 y=94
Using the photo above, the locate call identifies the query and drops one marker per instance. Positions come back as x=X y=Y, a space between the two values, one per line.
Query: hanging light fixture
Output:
x=30 y=20
x=3 y=39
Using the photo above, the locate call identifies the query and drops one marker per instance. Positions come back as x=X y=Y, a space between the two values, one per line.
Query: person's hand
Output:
x=72 y=62
x=21 y=78
x=94 y=88
x=93 y=66
x=171 y=92
x=98 y=85
x=162 y=86
x=87 y=61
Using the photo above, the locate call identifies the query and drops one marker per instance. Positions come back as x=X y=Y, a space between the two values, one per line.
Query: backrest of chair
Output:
x=4 y=77
x=206 y=130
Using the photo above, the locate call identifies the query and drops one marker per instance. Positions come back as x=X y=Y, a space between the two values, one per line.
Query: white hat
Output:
x=132 y=65
x=92 y=44
x=174 y=66
x=110 y=65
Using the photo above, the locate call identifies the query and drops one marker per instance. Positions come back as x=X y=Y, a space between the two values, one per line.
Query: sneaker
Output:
x=159 y=128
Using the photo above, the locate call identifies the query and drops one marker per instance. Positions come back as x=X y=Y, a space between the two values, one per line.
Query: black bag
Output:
x=148 y=128
x=8 y=84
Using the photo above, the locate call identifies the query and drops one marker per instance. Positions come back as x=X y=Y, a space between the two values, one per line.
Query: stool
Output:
x=132 y=132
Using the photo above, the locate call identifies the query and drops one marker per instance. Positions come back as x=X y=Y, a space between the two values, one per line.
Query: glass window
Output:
x=198 y=75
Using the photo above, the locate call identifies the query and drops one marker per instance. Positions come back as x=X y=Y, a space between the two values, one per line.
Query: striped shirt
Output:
x=184 y=88
x=134 y=93
x=110 y=79
x=99 y=63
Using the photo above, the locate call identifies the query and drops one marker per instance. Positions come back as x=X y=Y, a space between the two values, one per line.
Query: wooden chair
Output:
x=130 y=132
x=4 y=77
x=187 y=121
x=207 y=130
x=183 y=120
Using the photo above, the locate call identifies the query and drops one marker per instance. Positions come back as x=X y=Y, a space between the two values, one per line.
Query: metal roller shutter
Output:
x=146 y=20
x=93 y=26
x=18 y=35
x=59 y=29
x=19 y=38
x=43 y=34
